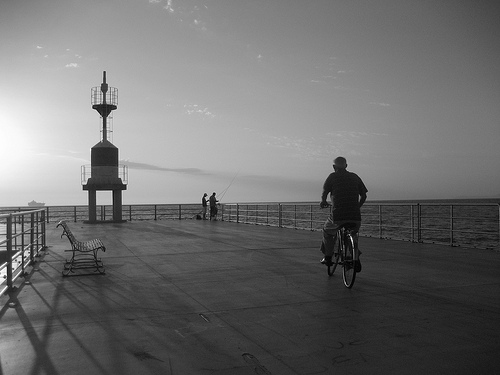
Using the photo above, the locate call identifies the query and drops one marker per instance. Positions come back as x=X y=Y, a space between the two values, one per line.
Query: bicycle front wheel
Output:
x=349 y=269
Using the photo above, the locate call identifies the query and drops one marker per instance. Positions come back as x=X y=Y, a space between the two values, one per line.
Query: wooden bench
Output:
x=84 y=253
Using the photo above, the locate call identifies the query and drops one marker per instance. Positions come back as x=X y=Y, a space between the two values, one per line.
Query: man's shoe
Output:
x=357 y=266
x=327 y=261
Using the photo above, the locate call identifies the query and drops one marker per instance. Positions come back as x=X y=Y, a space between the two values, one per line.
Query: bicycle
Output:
x=344 y=255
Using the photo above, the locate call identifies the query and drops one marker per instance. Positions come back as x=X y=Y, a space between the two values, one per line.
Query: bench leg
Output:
x=81 y=260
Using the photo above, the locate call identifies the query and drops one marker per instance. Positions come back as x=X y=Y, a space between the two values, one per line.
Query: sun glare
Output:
x=16 y=146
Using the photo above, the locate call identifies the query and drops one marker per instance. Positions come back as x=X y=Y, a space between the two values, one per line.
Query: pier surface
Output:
x=200 y=297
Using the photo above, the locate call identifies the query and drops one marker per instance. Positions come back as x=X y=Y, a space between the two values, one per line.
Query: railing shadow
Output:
x=43 y=362
x=112 y=299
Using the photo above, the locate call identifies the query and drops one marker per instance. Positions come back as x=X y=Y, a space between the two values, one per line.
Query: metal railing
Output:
x=473 y=224
x=22 y=237
x=455 y=224
x=86 y=173
x=131 y=212
x=110 y=97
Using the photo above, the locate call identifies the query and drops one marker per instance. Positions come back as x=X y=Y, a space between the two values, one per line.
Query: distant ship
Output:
x=36 y=204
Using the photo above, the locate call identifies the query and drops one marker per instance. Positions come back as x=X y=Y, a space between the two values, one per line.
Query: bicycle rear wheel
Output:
x=349 y=270
x=335 y=257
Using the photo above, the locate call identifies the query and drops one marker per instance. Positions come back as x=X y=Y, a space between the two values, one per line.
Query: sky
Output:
x=251 y=99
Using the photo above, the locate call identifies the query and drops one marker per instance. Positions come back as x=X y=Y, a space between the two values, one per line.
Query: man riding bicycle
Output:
x=348 y=193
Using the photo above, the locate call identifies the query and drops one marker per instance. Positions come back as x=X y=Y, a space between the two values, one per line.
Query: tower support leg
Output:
x=117 y=205
x=92 y=206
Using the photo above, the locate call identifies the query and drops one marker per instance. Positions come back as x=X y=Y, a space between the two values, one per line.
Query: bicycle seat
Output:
x=349 y=226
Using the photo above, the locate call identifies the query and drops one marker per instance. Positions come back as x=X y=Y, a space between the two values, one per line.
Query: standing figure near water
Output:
x=204 y=206
x=348 y=193
x=213 y=207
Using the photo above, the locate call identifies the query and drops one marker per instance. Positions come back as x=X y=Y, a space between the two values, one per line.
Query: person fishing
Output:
x=204 y=206
x=214 y=201
x=213 y=207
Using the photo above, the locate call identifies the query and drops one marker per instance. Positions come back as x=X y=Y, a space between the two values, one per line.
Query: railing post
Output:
x=498 y=238
x=48 y=215
x=412 y=223
x=279 y=215
x=237 y=212
x=311 y=216
x=155 y=213
x=74 y=213
x=130 y=212
x=419 y=223
x=22 y=243
x=32 y=238
x=180 y=212
x=451 y=225
x=44 y=229
x=9 y=252
x=379 y=221
x=37 y=219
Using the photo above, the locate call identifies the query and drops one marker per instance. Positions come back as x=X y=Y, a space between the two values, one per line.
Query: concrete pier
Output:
x=200 y=297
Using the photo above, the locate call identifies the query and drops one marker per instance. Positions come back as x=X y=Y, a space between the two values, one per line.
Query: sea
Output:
x=464 y=222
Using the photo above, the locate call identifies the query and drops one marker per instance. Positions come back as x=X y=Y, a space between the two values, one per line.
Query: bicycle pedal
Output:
x=326 y=262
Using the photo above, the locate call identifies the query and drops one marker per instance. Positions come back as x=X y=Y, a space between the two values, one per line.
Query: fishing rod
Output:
x=223 y=192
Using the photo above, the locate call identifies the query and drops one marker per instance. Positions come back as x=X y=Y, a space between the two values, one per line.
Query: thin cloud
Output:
x=169 y=6
x=195 y=109
x=151 y=167
x=188 y=14
x=61 y=56
x=307 y=148
x=353 y=134
x=315 y=149
x=61 y=154
x=381 y=104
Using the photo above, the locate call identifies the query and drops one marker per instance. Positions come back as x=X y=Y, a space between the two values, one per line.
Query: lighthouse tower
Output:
x=104 y=169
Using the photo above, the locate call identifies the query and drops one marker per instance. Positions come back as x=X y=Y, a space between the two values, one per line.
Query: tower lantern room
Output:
x=104 y=168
